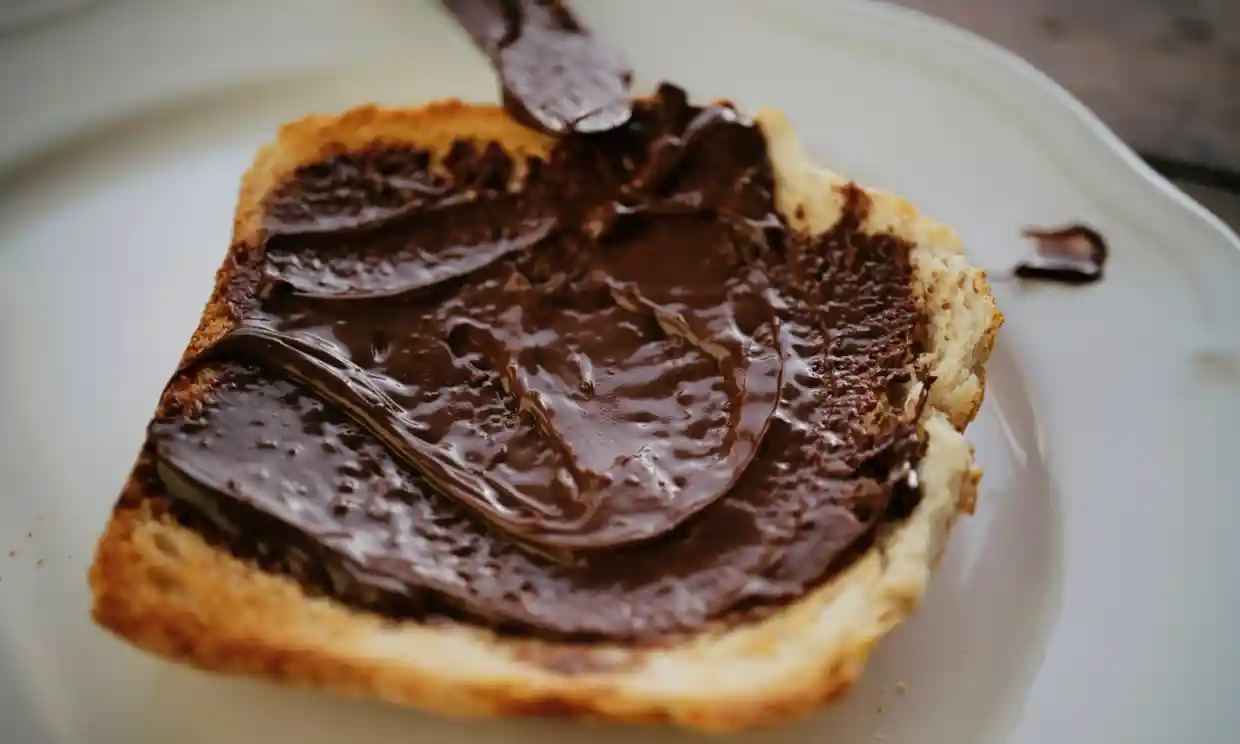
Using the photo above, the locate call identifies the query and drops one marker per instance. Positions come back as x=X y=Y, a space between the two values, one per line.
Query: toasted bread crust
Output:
x=164 y=588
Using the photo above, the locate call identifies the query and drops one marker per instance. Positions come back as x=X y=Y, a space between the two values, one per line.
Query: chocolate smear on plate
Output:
x=1073 y=254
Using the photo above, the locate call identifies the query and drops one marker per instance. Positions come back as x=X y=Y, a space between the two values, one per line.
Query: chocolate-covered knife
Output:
x=554 y=74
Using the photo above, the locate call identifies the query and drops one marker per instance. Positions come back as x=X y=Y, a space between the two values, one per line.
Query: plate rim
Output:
x=914 y=24
x=963 y=41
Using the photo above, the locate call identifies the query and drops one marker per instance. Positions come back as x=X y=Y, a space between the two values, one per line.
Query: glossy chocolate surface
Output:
x=623 y=400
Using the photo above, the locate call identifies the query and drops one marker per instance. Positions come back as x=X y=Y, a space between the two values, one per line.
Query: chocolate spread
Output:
x=1075 y=254
x=554 y=74
x=622 y=400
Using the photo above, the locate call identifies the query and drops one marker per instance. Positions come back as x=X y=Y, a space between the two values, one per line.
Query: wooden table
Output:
x=1164 y=74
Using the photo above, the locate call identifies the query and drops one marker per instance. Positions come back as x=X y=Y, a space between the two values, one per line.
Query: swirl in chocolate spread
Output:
x=554 y=74
x=623 y=400
x=1075 y=254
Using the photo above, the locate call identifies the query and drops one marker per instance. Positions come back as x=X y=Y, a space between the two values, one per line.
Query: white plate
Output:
x=1093 y=598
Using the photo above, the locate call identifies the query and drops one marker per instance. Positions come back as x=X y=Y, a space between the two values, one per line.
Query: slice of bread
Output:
x=166 y=589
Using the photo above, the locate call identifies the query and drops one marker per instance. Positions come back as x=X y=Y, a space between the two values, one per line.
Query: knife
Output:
x=554 y=74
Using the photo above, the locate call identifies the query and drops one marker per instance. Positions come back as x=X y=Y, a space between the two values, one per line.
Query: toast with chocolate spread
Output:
x=661 y=425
